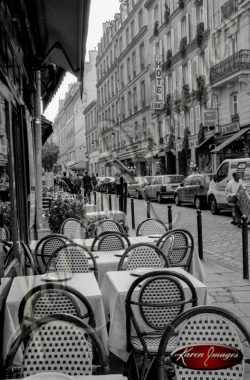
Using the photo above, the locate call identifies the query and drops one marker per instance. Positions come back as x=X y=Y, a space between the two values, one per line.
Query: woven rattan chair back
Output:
x=110 y=241
x=73 y=229
x=108 y=225
x=206 y=324
x=150 y=226
x=52 y=298
x=59 y=343
x=142 y=255
x=178 y=245
x=72 y=258
x=5 y=233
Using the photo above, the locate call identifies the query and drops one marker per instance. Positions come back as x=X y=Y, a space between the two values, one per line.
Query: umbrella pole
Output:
x=121 y=193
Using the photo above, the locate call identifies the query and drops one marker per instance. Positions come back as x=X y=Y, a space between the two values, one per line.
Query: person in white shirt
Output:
x=232 y=188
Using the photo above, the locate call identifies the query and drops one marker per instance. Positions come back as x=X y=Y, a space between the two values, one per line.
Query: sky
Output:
x=100 y=11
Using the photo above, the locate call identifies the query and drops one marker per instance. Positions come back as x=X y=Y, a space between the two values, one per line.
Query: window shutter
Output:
x=192 y=121
x=179 y=32
x=206 y=64
x=180 y=79
x=197 y=118
x=172 y=41
x=205 y=14
x=194 y=72
x=187 y=27
x=166 y=85
x=174 y=83
x=182 y=124
x=190 y=74
x=194 y=23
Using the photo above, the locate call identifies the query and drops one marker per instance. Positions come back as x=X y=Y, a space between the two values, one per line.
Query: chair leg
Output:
x=131 y=369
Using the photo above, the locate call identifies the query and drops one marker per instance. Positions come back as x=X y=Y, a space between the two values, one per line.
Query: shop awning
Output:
x=230 y=139
x=205 y=142
x=59 y=29
x=152 y=153
x=79 y=165
x=46 y=129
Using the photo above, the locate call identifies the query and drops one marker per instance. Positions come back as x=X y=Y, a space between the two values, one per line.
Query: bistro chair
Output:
x=107 y=225
x=142 y=255
x=73 y=229
x=153 y=301
x=150 y=226
x=57 y=343
x=205 y=325
x=30 y=263
x=110 y=241
x=178 y=246
x=73 y=258
x=47 y=246
x=54 y=298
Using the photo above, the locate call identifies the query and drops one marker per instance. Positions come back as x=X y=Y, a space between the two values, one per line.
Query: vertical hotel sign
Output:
x=158 y=104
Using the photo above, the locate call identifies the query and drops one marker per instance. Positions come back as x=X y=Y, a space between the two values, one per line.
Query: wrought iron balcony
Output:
x=231 y=65
x=228 y=9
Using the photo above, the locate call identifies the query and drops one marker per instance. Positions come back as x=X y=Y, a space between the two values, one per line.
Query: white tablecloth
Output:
x=89 y=377
x=85 y=283
x=114 y=289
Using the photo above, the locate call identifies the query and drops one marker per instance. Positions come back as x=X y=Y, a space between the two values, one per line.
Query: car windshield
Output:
x=173 y=179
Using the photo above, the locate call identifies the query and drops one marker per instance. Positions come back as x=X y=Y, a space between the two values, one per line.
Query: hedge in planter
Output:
x=62 y=209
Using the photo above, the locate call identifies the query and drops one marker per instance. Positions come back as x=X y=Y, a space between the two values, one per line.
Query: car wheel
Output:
x=159 y=200
x=177 y=200
x=213 y=206
x=197 y=203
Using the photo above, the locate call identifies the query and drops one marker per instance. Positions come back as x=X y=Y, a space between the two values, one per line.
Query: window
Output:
x=185 y=74
x=122 y=108
x=169 y=46
x=135 y=99
x=183 y=27
x=111 y=57
x=132 y=30
x=199 y=14
x=197 y=119
x=142 y=56
x=234 y=103
x=134 y=63
x=129 y=103
x=128 y=69
x=127 y=37
x=140 y=19
x=112 y=86
x=144 y=128
x=122 y=76
x=120 y=44
x=156 y=13
x=143 y=94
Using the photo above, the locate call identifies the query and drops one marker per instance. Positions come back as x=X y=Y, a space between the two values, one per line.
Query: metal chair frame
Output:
x=178 y=255
x=221 y=320
x=76 y=235
x=75 y=298
x=38 y=332
x=30 y=259
x=156 y=222
x=157 y=313
x=99 y=240
x=133 y=250
x=85 y=255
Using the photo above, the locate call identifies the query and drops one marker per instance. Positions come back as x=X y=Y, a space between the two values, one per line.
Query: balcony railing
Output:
x=236 y=62
x=228 y=9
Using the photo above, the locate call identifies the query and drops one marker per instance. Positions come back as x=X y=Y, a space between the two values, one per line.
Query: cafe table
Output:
x=114 y=289
x=85 y=283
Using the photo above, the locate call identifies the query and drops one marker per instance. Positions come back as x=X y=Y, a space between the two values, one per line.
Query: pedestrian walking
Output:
x=66 y=183
x=233 y=186
x=86 y=182
x=78 y=184
x=94 y=181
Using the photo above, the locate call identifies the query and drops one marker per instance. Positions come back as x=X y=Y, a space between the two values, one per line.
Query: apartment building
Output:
x=69 y=124
x=230 y=78
x=92 y=144
x=123 y=88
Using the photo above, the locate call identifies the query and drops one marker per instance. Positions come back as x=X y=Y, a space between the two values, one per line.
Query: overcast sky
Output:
x=100 y=11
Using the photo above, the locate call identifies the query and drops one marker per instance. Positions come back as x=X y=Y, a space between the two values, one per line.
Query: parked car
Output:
x=216 y=194
x=163 y=187
x=194 y=190
x=136 y=189
x=108 y=185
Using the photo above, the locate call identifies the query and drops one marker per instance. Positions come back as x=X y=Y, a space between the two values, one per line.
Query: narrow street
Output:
x=222 y=242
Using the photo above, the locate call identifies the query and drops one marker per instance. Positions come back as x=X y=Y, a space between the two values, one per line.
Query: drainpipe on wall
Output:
x=38 y=152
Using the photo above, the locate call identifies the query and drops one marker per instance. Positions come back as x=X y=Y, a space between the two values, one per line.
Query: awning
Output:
x=79 y=165
x=132 y=155
x=46 y=129
x=152 y=153
x=205 y=142
x=230 y=139
x=59 y=29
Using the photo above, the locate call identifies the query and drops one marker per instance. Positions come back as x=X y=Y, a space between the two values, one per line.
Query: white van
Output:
x=216 y=193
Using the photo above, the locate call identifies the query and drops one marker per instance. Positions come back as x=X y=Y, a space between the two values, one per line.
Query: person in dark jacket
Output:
x=87 y=185
x=78 y=184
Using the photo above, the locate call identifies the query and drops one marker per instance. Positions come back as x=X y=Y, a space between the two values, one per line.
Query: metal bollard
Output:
x=110 y=202
x=95 y=197
x=132 y=213
x=200 y=239
x=170 y=217
x=245 y=247
x=101 y=201
x=148 y=209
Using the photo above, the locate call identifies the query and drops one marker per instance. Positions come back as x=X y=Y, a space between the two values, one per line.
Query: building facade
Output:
x=92 y=143
x=69 y=124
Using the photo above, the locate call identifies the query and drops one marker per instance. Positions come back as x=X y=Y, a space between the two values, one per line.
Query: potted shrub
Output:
x=181 y=4
x=62 y=209
x=183 y=46
x=185 y=97
x=168 y=59
x=201 y=88
x=199 y=33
